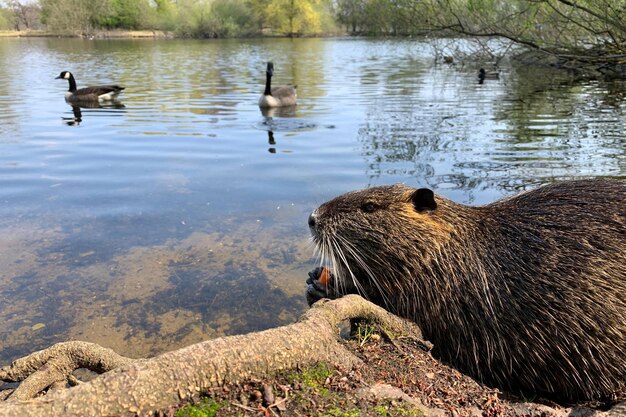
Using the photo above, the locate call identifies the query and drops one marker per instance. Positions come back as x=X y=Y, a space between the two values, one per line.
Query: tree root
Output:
x=144 y=386
x=53 y=367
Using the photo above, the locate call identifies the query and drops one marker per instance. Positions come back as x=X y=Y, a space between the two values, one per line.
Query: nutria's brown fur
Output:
x=527 y=293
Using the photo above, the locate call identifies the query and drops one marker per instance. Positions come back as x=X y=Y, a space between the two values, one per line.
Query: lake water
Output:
x=179 y=217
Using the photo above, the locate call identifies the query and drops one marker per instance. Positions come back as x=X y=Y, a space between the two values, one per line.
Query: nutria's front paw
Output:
x=319 y=285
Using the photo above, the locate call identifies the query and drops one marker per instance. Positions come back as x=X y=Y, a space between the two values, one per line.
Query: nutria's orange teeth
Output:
x=324 y=277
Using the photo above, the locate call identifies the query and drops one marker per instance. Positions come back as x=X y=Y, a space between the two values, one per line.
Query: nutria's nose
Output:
x=312 y=220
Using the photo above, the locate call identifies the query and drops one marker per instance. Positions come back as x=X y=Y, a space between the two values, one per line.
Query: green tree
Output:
x=20 y=15
x=395 y=17
x=6 y=17
x=194 y=19
x=129 y=14
x=259 y=11
x=166 y=14
x=72 y=16
x=233 y=18
x=379 y=16
x=295 y=17
x=351 y=13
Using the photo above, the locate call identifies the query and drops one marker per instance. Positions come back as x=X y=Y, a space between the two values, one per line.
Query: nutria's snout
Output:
x=312 y=220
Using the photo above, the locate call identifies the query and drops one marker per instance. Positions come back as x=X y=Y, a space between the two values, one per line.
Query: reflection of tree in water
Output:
x=418 y=141
x=576 y=129
x=301 y=64
x=615 y=96
x=396 y=144
x=497 y=137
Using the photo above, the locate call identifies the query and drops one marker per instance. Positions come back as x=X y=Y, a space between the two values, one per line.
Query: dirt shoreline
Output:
x=96 y=34
x=139 y=34
x=398 y=379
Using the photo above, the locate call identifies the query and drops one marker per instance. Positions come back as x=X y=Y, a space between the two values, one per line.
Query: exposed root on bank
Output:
x=52 y=369
x=143 y=387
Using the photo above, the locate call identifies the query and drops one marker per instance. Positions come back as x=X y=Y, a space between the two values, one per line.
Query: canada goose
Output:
x=95 y=93
x=285 y=95
x=487 y=75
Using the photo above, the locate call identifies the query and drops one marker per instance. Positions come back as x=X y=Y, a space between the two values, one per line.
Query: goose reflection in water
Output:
x=279 y=112
x=271 y=141
x=74 y=121
x=270 y=124
x=271 y=112
x=283 y=119
x=77 y=114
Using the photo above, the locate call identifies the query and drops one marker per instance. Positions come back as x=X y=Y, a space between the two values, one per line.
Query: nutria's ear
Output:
x=424 y=199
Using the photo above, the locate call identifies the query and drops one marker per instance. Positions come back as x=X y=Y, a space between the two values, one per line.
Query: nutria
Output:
x=527 y=294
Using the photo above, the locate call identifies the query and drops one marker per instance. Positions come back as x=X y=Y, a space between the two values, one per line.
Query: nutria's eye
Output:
x=369 y=207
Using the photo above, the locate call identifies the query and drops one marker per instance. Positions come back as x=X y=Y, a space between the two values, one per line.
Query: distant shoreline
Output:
x=96 y=34
x=141 y=34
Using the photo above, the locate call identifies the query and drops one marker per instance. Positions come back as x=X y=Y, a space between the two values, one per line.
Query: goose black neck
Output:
x=72 y=82
x=268 y=84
